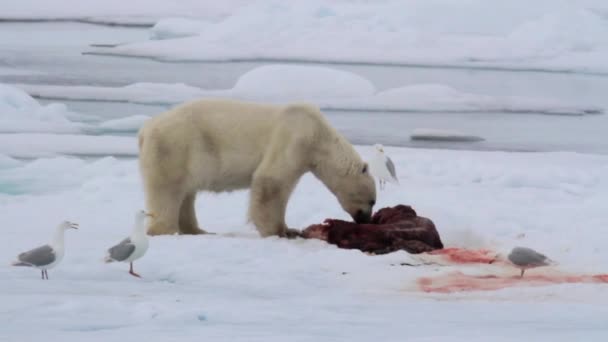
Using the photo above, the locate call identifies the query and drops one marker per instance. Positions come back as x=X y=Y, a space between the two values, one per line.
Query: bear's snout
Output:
x=362 y=217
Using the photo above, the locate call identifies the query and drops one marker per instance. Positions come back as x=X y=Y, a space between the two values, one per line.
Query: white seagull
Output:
x=134 y=246
x=382 y=167
x=525 y=258
x=46 y=256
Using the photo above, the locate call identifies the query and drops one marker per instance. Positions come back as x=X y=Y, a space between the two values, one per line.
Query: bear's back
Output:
x=239 y=126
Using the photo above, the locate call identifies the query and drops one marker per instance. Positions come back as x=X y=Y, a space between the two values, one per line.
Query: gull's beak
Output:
x=73 y=225
x=150 y=215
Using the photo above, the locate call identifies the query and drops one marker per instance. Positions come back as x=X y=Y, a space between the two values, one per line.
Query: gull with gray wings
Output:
x=49 y=255
x=132 y=247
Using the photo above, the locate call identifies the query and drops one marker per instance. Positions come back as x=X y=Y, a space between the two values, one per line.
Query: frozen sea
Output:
x=534 y=173
x=39 y=58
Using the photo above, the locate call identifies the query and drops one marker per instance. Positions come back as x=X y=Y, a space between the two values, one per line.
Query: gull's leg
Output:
x=131 y=271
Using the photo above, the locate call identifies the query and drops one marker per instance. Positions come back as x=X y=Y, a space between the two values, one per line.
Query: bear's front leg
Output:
x=162 y=226
x=268 y=200
x=187 y=216
x=165 y=207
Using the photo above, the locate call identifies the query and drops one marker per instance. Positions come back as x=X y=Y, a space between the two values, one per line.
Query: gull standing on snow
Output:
x=133 y=247
x=524 y=258
x=46 y=256
x=382 y=167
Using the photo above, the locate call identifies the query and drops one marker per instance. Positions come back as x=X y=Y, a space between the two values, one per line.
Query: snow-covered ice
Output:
x=6 y=71
x=144 y=93
x=270 y=82
x=238 y=286
x=329 y=88
x=136 y=12
x=170 y=28
x=129 y=123
x=442 y=98
x=549 y=35
x=57 y=164
x=300 y=83
x=19 y=112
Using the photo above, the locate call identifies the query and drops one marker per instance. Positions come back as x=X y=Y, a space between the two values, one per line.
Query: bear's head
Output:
x=356 y=192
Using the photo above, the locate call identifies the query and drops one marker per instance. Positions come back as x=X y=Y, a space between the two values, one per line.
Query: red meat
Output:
x=391 y=229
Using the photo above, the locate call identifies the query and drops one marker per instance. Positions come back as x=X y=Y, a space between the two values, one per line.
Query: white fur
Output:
x=223 y=145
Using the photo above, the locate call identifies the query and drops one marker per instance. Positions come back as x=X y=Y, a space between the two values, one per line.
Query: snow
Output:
x=238 y=286
x=547 y=35
x=329 y=88
x=442 y=135
x=301 y=83
x=19 y=112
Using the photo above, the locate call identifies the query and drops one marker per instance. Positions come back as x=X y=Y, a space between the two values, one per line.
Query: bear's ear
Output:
x=364 y=169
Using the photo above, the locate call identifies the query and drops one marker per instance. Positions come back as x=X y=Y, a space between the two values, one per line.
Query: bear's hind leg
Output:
x=187 y=216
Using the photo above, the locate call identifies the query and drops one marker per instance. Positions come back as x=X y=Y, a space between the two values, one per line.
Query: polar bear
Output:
x=220 y=145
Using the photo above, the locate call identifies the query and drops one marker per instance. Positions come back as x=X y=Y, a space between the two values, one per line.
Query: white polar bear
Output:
x=223 y=145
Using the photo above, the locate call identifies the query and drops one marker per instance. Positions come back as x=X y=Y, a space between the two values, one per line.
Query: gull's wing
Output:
x=391 y=167
x=523 y=256
x=39 y=256
x=122 y=250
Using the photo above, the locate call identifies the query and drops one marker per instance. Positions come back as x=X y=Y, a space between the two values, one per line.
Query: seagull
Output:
x=524 y=258
x=132 y=247
x=46 y=256
x=382 y=167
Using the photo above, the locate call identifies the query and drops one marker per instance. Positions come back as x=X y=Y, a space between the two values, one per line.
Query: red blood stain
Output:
x=465 y=256
x=459 y=282
x=601 y=278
